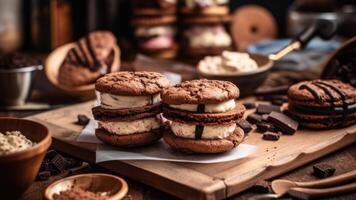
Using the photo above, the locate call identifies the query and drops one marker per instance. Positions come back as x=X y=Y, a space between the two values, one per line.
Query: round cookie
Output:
x=204 y=145
x=322 y=104
x=315 y=93
x=201 y=91
x=132 y=140
x=126 y=114
x=132 y=83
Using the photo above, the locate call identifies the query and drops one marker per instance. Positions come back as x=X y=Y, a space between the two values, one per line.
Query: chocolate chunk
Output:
x=249 y=104
x=264 y=126
x=266 y=109
x=245 y=125
x=265 y=117
x=59 y=163
x=323 y=170
x=72 y=162
x=284 y=123
x=283 y=98
x=261 y=187
x=43 y=175
x=272 y=90
x=82 y=120
x=271 y=136
x=51 y=153
x=254 y=118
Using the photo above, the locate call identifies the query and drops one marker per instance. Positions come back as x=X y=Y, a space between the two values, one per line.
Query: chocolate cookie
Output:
x=201 y=91
x=204 y=145
x=132 y=140
x=132 y=83
x=126 y=114
x=204 y=118
x=322 y=103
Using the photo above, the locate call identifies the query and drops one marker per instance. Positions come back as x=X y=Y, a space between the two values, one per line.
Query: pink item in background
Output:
x=160 y=42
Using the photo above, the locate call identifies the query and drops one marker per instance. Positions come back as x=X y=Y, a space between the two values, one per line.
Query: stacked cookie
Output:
x=154 y=24
x=91 y=57
x=129 y=105
x=321 y=104
x=203 y=116
x=204 y=27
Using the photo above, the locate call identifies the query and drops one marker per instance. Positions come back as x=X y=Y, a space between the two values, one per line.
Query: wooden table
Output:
x=343 y=160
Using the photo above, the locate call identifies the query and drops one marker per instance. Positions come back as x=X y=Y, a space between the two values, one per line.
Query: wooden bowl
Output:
x=115 y=187
x=248 y=81
x=54 y=62
x=18 y=170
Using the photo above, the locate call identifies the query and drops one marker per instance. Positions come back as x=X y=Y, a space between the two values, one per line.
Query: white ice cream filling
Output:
x=130 y=127
x=110 y=101
x=209 y=108
x=209 y=131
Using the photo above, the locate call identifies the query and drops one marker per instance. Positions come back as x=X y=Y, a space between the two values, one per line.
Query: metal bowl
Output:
x=16 y=84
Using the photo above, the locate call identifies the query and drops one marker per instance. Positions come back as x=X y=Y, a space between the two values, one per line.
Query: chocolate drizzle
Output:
x=96 y=64
x=328 y=89
x=201 y=108
x=199 y=131
x=311 y=90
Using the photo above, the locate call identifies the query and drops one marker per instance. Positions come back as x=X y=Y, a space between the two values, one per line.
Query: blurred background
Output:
x=42 y=25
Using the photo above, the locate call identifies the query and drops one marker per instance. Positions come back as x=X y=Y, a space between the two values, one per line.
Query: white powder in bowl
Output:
x=13 y=141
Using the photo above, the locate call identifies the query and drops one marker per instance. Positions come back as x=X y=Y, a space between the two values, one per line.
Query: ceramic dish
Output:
x=19 y=169
x=112 y=186
x=54 y=62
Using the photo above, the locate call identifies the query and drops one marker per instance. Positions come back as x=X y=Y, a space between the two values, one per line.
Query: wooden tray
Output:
x=203 y=181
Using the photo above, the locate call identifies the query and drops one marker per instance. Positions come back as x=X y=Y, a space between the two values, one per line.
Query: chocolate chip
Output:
x=254 y=118
x=284 y=123
x=82 y=120
x=261 y=187
x=249 y=104
x=245 y=125
x=264 y=126
x=322 y=170
x=271 y=136
x=266 y=109
x=43 y=175
x=272 y=90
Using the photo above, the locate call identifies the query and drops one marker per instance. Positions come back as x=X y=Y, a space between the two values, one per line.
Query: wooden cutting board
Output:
x=202 y=181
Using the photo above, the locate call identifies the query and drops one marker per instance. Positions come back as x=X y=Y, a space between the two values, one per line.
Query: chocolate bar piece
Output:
x=264 y=126
x=59 y=163
x=265 y=117
x=284 y=123
x=83 y=120
x=249 y=104
x=245 y=125
x=254 y=118
x=261 y=187
x=322 y=170
x=266 y=109
x=271 y=136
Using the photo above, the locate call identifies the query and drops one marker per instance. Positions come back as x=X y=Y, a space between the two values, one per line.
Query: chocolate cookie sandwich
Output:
x=200 y=40
x=321 y=104
x=155 y=36
x=154 y=7
x=204 y=7
x=90 y=58
x=203 y=116
x=129 y=105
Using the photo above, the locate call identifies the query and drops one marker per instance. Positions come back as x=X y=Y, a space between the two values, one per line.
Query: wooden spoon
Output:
x=281 y=187
x=308 y=193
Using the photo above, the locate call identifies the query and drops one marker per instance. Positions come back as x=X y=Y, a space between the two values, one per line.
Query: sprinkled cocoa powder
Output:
x=79 y=194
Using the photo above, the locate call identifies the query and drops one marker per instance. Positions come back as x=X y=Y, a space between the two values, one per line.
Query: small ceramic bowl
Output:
x=112 y=186
x=18 y=170
x=54 y=62
x=248 y=81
